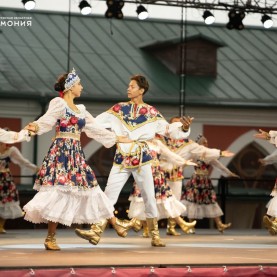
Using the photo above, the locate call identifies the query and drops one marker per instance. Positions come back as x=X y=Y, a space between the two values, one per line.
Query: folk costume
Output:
x=167 y=204
x=139 y=122
x=9 y=196
x=270 y=220
x=68 y=191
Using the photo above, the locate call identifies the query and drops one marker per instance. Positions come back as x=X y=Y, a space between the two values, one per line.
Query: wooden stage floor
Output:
x=24 y=249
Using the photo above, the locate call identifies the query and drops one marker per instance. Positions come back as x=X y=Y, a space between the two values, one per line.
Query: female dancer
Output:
x=68 y=191
x=199 y=195
x=9 y=205
x=270 y=219
x=167 y=205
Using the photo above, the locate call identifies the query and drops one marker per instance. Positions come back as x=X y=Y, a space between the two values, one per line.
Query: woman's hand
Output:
x=233 y=175
x=227 y=153
x=262 y=135
x=123 y=139
x=190 y=162
x=32 y=128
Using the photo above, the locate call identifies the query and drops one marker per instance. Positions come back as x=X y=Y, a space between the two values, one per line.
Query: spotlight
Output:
x=235 y=19
x=208 y=17
x=267 y=21
x=29 y=4
x=85 y=7
x=142 y=12
x=114 y=9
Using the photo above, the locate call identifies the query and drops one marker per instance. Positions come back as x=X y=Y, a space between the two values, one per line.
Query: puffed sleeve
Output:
x=194 y=151
x=222 y=168
x=272 y=158
x=13 y=137
x=97 y=132
x=173 y=130
x=48 y=120
x=168 y=159
x=17 y=158
x=273 y=137
x=104 y=119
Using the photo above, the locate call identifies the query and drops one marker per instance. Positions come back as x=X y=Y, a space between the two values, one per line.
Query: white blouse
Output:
x=57 y=108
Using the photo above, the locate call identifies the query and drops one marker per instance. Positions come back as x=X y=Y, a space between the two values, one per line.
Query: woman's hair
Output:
x=141 y=81
x=174 y=119
x=59 y=85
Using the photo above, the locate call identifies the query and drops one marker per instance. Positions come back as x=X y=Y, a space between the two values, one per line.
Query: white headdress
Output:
x=71 y=79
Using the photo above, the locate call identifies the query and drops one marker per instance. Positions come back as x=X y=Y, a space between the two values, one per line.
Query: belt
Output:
x=67 y=135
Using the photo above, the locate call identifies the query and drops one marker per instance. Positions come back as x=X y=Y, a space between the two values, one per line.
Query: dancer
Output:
x=10 y=205
x=140 y=122
x=167 y=205
x=187 y=149
x=68 y=191
x=270 y=219
x=199 y=195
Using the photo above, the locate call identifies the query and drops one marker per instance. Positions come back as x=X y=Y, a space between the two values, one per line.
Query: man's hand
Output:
x=186 y=121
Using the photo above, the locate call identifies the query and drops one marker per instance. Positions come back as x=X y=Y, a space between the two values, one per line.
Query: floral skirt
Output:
x=199 y=197
x=9 y=198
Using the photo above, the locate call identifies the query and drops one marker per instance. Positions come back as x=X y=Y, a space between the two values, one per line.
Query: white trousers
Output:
x=176 y=187
x=144 y=179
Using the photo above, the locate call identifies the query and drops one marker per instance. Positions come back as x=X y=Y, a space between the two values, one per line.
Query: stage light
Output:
x=235 y=19
x=267 y=21
x=29 y=4
x=114 y=9
x=85 y=7
x=142 y=12
x=208 y=17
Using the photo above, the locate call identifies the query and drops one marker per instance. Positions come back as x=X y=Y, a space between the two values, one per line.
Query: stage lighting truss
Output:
x=241 y=8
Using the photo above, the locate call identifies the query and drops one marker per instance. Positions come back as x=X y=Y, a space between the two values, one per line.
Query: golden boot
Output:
x=145 y=233
x=137 y=224
x=50 y=243
x=2 y=224
x=185 y=226
x=221 y=226
x=123 y=226
x=94 y=234
x=152 y=224
x=270 y=224
x=170 y=230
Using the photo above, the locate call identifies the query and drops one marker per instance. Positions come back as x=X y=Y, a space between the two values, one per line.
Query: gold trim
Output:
x=68 y=135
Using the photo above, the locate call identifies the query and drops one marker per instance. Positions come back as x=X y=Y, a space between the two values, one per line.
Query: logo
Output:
x=15 y=21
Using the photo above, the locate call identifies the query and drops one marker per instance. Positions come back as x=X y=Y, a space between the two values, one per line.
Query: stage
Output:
x=22 y=251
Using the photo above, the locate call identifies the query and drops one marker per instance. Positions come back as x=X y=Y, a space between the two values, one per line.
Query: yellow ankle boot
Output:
x=221 y=226
x=185 y=226
x=94 y=234
x=170 y=230
x=50 y=243
x=152 y=224
x=2 y=224
x=145 y=233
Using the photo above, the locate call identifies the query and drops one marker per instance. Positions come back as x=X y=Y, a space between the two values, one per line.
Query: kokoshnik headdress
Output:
x=71 y=79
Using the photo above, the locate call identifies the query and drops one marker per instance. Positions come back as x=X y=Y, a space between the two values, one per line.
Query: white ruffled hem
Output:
x=196 y=211
x=272 y=207
x=66 y=206
x=10 y=210
x=169 y=207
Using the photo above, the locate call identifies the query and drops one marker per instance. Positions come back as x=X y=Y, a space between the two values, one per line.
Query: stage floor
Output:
x=25 y=249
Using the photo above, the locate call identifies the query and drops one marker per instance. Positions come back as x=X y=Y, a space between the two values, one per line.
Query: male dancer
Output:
x=141 y=122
